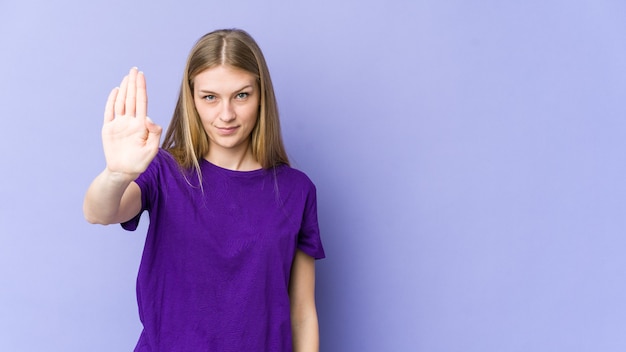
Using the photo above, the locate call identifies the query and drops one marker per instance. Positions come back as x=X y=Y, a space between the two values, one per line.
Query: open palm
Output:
x=130 y=139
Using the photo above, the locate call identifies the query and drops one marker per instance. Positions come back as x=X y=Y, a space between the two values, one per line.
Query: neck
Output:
x=240 y=159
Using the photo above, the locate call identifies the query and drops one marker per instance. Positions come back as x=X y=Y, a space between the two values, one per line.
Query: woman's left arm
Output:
x=304 y=325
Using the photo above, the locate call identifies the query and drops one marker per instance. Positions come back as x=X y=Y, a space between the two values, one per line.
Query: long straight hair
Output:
x=186 y=138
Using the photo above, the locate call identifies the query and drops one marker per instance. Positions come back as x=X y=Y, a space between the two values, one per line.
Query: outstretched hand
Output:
x=130 y=139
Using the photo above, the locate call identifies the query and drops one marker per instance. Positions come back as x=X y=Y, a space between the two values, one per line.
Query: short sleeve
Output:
x=147 y=183
x=309 y=240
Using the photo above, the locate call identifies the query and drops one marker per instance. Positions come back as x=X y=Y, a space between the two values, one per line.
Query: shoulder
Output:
x=292 y=176
x=164 y=161
x=163 y=165
x=163 y=156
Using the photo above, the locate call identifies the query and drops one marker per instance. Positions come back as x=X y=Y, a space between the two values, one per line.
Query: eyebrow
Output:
x=204 y=91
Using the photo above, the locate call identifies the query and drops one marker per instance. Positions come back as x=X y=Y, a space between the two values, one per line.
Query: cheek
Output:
x=255 y=109
x=198 y=108
x=205 y=114
x=250 y=113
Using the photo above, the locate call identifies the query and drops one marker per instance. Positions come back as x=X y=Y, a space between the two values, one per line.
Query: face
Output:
x=227 y=100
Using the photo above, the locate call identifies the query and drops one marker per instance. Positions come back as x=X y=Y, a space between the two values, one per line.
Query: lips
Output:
x=225 y=131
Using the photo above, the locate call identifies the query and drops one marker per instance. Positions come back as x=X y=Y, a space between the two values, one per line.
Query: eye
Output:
x=209 y=97
x=242 y=95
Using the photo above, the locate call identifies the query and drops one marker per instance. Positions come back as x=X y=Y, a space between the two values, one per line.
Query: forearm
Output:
x=305 y=332
x=103 y=199
x=304 y=324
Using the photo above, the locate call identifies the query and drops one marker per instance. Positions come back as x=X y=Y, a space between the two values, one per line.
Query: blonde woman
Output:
x=229 y=258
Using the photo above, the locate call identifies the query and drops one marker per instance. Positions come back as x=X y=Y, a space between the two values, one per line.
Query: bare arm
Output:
x=111 y=199
x=304 y=324
x=130 y=141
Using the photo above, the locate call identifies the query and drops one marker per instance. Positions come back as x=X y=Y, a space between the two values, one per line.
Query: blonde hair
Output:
x=186 y=139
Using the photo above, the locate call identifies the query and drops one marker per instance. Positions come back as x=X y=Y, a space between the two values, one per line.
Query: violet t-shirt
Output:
x=216 y=264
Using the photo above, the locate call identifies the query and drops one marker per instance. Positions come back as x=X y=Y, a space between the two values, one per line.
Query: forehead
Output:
x=224 y=78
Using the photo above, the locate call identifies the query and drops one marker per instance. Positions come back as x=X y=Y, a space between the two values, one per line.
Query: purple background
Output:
x=469 y=160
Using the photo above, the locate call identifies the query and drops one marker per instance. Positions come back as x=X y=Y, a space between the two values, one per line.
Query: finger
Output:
x=131 y=93
x=109 y=114
x=142 y=96
x=121 y=98
x=154 y=133
x=152 y=127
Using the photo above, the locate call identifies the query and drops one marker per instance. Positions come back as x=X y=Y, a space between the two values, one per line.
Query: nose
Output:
x=228 y=112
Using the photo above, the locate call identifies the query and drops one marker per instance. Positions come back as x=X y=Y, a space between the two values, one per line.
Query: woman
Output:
x=229 y=258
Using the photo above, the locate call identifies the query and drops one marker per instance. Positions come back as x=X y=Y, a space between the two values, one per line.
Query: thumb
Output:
x=152 y=127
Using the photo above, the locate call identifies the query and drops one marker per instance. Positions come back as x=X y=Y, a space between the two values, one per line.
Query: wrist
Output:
x=118 y=177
